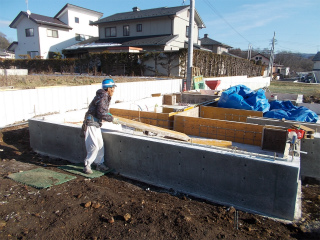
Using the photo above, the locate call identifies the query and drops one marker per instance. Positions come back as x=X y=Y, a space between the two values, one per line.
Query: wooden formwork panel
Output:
x=156 y=119
x=219 y=129
x=230 y=114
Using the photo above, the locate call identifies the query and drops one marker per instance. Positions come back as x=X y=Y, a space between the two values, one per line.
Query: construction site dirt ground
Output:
x=112 y=207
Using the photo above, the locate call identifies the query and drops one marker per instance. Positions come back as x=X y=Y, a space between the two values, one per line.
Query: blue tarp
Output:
x=242 y=97
x=286 y=110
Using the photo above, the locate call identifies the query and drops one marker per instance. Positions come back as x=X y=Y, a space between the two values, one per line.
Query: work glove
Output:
x=115 y=121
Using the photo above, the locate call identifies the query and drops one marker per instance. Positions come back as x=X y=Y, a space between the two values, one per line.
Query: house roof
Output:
x=159 y=40
x=148 y=13
x=316 y=57
x=68 y=5
x=229 y=54
x=39 y=19
x=12 y=46
x=260 y=55
x=208 y=41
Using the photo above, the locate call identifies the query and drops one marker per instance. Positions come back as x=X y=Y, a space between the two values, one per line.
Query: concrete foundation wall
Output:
x=310 y=162
x=20 y=105
x=248 y=183
x=296 y=98
x=312 y=106
x=7 y=72
x=194 y=98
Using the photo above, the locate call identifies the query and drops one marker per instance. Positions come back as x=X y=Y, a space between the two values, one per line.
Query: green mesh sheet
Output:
x=41 y=178
x=78 y=169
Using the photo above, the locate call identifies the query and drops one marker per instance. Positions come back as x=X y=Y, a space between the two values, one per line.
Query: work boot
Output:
x=102 y=167
x=87 y=170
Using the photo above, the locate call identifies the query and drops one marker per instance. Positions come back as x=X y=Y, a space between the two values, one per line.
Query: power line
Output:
x=219 y=15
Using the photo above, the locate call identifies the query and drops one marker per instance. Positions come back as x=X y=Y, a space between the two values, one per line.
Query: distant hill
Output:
x=307 y=55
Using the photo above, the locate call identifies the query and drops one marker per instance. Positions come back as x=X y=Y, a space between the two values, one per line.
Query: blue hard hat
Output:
x=107 y=83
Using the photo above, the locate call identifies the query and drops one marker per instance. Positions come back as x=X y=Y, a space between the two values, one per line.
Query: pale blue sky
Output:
x=237 y=23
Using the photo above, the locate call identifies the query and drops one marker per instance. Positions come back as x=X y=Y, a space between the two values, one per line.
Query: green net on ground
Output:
x=78 y=169
x=41 y=178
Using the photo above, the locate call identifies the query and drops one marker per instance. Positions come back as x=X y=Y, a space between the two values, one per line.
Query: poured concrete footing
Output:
x=250 y=183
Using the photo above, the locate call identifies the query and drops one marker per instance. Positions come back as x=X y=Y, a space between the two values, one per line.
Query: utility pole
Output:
x=190 y=46
x=270 y=67
x=249 y=51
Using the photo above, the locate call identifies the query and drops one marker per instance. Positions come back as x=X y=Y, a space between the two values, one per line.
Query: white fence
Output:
x=20 y=105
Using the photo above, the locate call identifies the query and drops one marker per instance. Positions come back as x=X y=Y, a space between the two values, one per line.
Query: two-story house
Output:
x=42 y=36
x=214 y=46
x=157 y=29
x=277 y=70
x=261 y=58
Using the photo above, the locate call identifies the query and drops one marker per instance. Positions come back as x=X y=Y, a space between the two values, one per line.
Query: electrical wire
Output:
x=220 y=16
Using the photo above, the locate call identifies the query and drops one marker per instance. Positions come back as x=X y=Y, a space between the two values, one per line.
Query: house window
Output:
x=29 y=32
x=126 y=30
x=187 y=31
x=52 y=33
x=33 y=54
x=76 y=20
x=90 y=22
x=111 y=32
x=139 y=27
x=80 y=37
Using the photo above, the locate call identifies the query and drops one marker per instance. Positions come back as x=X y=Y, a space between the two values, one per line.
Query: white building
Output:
x=157 y=29
x=41 y=36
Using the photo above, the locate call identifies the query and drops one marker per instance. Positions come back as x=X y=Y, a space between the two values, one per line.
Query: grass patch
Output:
x=310 y=92
x=33 y=81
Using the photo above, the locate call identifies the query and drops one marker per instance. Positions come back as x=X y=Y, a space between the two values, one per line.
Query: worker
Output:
x=98 y=112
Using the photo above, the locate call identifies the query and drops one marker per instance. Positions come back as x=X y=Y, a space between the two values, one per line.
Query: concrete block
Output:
x=249 y=183
x=15 y=72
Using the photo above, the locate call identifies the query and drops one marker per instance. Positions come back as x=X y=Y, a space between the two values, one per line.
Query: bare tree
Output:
x=4 y=42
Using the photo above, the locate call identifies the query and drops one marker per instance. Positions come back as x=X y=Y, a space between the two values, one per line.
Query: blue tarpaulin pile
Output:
x=286 y=110
x=242 y=97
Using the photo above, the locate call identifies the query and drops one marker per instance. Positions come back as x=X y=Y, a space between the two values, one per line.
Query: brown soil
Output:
x=124 y=209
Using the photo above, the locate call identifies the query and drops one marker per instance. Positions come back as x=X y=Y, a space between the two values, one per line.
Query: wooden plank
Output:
x=230 y=114
x=308 y=132
x=211 y=142
x=154 y=129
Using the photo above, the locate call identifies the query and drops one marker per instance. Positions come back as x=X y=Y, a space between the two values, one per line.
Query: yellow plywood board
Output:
x=229 y=114
x=211 y=142
x=219 y=129
x=152 y=118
